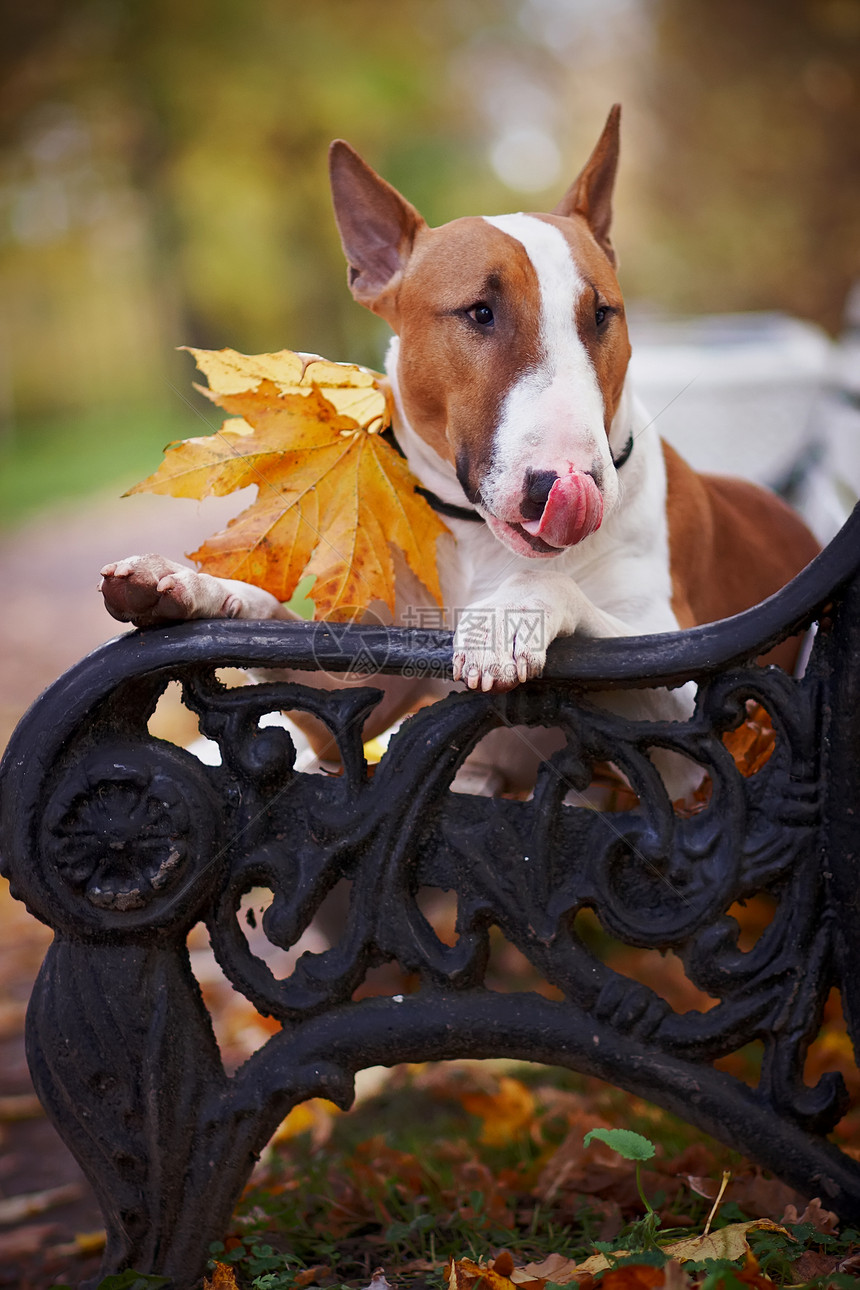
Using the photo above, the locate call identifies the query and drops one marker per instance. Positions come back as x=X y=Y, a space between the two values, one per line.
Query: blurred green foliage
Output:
x=163 y=178
x=86 y=451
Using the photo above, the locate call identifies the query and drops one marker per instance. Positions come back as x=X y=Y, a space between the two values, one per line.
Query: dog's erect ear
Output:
x=590 y=194
x=377 y=227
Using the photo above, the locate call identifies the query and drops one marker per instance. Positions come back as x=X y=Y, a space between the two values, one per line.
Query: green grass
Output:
x=58 y=459
x=405 y=1181
x=394 y=1164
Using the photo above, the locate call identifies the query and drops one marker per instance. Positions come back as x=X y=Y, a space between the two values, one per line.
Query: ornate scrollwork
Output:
x=121 y=842
x=656 y=879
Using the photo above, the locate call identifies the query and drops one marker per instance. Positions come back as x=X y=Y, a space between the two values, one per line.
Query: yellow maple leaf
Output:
x=332 y=494
x=354 y=391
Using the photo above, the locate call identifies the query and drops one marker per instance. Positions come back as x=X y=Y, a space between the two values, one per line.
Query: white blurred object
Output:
x=842 y=422
x=764 y=396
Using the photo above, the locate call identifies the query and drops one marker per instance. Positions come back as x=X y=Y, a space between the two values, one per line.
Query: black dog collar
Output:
x=448 y=508
x=624 y=455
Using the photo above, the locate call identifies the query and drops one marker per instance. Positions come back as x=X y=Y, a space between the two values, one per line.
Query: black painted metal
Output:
x=121 y=842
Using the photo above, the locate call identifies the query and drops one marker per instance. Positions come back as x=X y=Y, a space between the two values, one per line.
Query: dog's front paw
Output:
x=497 y=647
x=149 y=589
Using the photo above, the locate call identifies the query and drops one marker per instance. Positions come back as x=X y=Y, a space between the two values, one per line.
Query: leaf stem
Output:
x=726 y=1176
x=642 y=1195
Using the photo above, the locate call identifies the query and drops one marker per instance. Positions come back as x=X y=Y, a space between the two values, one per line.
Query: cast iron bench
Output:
x=121 y=842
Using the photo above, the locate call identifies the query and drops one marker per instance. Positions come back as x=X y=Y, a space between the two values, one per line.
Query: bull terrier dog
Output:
x=508 y=369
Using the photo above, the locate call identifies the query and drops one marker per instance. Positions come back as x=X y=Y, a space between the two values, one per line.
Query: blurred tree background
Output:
x=163 y=179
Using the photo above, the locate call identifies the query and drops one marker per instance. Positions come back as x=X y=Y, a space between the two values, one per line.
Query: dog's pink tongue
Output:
x=573 y=509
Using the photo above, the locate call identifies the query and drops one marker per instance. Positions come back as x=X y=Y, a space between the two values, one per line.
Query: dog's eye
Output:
x=600 y=316
x=481 y=314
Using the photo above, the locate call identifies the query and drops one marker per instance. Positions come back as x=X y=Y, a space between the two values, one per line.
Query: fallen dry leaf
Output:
x=555 y=1268
x=812 y=1266
x=755 y=1194
x=462 y=1274
x=223 y=1278
x=573 y=1171
x=567 y=1164
x=634 y=1276
x=505 y=1113
x=726 y=1243
x=519 y=1277
x=675 y=1278
x=594 y=1264
x=331 y=492
x=824 y=1219
x=312 y=1276
x=749 y=1275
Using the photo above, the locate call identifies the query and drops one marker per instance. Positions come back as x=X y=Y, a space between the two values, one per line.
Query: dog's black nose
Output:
x=536 y=490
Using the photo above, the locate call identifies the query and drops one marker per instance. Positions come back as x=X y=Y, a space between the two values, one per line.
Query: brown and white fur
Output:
x=508 y=370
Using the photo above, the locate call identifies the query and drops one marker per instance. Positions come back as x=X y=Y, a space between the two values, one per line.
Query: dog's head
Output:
x=513 y=342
